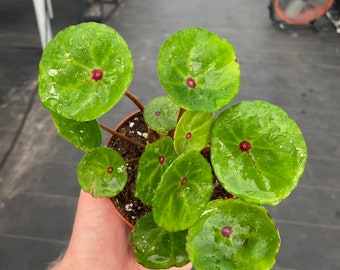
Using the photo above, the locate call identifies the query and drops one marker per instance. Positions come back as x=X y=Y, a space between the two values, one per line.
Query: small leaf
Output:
x=193 y=131
x=83 y=135
x=84 y=71
x=183 y=193
x=251 y=242
x=156 y=248
x=198 y=70
x=161 y=114
x=155 y=159
x=102 y=172
x=258 y=152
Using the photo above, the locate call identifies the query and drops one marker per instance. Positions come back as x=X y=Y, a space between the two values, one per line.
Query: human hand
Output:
x=100 y=239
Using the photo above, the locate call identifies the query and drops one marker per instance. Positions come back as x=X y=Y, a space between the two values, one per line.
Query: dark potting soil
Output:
x=126 y=203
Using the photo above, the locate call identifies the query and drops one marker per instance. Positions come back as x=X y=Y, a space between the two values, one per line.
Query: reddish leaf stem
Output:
x=181 y=111
x=121 y=136
x=135 y=100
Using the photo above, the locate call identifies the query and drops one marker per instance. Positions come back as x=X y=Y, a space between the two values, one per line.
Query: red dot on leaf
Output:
x=158 y=113
x=188 y=135
x=245 y=146
x=97 y=74
x=161 y=159
x=227 y=231
x=184 y=180
x=110 y=170
x=191 y=82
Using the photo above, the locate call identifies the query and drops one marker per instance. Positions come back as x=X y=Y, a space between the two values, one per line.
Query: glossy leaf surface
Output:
x=84 y=71
x=83 y=135
x=273 y=157
x=252 y=243
x=184 y=191
x=161 y=114
x=198 y=70
x=152 y=164
x=156 y=248
x=102 y=172
x=193 y=131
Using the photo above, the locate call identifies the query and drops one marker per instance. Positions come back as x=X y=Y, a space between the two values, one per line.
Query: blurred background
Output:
x=297 y=69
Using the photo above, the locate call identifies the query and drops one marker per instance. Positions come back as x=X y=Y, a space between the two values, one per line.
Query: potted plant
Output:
x=200 y=172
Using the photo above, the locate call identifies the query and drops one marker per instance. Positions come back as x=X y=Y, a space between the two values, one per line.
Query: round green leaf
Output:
x=232 y=234
x=83 y=135
x=102 y=172
x=258 y=152
x=84 y=71
x=198 y=70
x=155 y=159
x=156 y=248
x=183 y=193
x=161 y=114
x=193 y=131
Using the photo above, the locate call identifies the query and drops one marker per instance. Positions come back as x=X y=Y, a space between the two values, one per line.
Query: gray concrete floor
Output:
x=297 y=70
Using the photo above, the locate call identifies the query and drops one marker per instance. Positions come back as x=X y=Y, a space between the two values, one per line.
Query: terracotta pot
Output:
x=120 y=215
x=122 y=123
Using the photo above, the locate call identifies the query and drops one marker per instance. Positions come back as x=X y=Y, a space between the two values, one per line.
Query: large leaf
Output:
x=231 y=235
x=258 y=152
x=83 y=135
x=198 y=70
x=161 y=114
x=156 y=248
x=193 y=131
x=183 y=193
x=84 y=71
x=152 y=164
x=102 y=172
